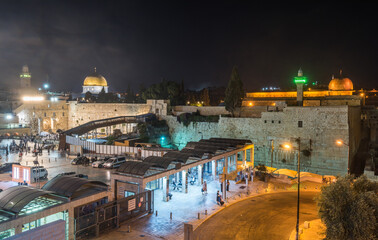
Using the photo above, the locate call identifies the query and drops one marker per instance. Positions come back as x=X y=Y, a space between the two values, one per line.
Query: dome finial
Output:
x=341 y=72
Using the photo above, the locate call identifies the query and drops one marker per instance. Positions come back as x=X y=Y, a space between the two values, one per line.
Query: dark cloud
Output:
x=144 y=41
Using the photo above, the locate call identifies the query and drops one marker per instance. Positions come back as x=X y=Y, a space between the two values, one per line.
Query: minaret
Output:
x=300 y=80
x=25 y=77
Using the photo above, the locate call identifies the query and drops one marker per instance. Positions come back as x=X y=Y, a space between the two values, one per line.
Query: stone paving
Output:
x=185 y=209
x=55 y=163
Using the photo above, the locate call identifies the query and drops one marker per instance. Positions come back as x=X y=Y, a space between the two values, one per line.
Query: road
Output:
x=269 y=216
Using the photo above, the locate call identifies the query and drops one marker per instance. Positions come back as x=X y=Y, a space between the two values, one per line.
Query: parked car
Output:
x=79 y=160
x=38 y=172
x=114 y=162
x=7 y=167
x=98 y=163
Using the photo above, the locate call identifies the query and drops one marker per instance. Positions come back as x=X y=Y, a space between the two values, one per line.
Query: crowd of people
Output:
x=28 y=144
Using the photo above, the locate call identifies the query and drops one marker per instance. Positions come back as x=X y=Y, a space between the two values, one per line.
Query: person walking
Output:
x=228 y=186
x=204 y=188
x=219 y=199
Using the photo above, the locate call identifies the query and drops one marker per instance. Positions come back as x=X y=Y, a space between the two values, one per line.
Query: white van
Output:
x=38 y=172
x=114 y=162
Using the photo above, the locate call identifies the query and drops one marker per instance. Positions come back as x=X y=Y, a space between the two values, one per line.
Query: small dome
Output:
x=340 y=84
x=95 y=80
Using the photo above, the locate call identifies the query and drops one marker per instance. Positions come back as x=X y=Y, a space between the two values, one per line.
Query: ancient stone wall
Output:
x=44 y=116
x=318 y=128
x=204 y=111
x=80 y=113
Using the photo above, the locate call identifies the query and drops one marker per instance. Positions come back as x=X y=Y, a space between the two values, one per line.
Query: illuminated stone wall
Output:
x=80 y=113
x=205 y=111
x=321 y=126
x=51 y=116
x=44 y=116
x=294 y=94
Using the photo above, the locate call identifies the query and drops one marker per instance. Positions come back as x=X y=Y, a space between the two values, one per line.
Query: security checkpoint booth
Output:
x=213 y=159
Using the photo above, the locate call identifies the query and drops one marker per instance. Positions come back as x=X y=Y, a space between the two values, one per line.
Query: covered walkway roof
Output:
x=182 y=157
x=193 y=152
x=134 y=168
x=89 y=126
x=160 y=162
x=20 y=200
x=70 y=187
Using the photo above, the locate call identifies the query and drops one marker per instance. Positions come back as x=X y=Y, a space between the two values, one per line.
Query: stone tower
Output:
x=25 y=77
x=300 y=80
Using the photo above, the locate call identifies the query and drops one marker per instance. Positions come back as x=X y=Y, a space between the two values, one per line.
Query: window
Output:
x=272 y=121
x=264 y=121
x=16 y=171
x=26 y=175
x=300 y=124
x=248 y=155
x=279 y=121
x=44 y=114
x=54 y=114
x=63 y=114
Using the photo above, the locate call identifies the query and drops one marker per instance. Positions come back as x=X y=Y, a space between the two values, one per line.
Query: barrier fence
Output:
x=110 y=215
x=112 y=150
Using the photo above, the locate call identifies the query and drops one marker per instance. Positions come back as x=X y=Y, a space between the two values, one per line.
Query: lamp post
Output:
x=271 y=156
x=340 y=142
x=288 y=147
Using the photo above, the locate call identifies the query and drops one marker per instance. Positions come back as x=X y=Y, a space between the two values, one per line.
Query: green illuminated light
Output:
x=25 y=75
x=300 y=79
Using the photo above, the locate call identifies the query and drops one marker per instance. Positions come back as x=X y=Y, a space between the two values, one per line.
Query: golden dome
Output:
x=340 y=84
x=95 y=80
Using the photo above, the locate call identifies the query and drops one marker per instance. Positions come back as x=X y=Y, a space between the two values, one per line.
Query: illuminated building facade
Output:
x=340 y=92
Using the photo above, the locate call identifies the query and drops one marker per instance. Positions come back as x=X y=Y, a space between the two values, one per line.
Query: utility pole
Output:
x=298 y=140
x=271 y=156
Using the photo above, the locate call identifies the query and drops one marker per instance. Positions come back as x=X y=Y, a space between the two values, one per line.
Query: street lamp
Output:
x=271 y=156
x=288 y=147
x=340 y=142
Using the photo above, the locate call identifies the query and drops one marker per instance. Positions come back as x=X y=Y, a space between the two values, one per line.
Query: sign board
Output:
x=131 y=204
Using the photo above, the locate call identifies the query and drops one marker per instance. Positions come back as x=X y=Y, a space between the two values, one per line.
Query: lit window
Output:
x=16 y=171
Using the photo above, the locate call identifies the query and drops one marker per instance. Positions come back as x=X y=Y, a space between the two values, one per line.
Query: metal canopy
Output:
x=180 y=156
x=14 y=199
x=197 y=153
x=134 y=168
x=68 y=185
x=159 y=162
x=231 y=140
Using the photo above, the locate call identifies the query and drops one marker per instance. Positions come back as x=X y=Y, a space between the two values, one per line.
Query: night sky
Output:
x=133 y=42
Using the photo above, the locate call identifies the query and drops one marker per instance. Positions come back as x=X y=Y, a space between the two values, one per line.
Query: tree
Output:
x=164 y=90
x=234 y=92
x=205 y=97
x=130 y=96
x=88 y=96
x=349 y=209
x=101 y=96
